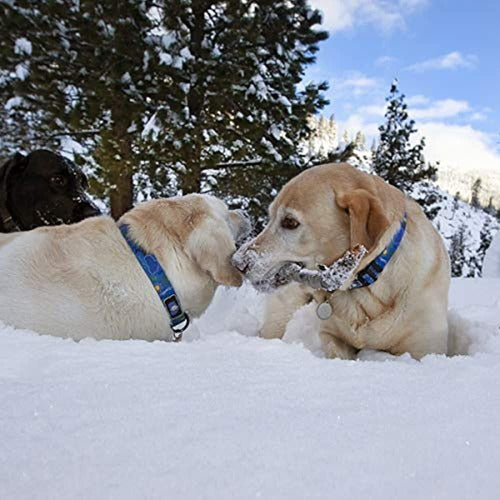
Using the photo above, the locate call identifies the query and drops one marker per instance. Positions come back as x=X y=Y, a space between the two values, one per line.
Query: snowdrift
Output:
x=228 y=415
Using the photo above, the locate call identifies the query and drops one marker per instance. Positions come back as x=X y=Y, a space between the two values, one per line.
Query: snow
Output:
x=22 y=71
x=228 y=415
x=491 y=265
x=165 y=58
x=23 y=46
x=126 y=78
x=13 y=102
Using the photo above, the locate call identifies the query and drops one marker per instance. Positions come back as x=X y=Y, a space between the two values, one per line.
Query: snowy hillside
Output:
x=466 y=231
x=226 y=415
x=453 y=180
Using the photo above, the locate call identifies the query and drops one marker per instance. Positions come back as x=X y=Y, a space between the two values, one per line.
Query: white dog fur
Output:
x=337 y=207
x=83 y=280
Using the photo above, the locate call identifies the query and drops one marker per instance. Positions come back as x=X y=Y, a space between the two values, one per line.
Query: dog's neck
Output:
x=194 y=288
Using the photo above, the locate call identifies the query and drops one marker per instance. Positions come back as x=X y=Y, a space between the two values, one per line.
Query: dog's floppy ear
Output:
x=212 y=246
x=16 y=164
x=366 y=216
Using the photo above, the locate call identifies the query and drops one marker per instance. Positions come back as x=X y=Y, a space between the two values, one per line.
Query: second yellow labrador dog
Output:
x=84 y=280
x=396 y=306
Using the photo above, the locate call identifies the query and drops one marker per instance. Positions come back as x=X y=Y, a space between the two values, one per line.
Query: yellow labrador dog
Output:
x=83 y=280
x=315 y=219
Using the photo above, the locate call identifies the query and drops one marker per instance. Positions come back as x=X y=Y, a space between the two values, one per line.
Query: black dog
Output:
x=42 y=189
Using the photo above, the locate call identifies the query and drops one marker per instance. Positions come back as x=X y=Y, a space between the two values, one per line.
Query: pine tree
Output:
x=332 y=129
x=395 y=160
x=322 y=141
x=360 y=140
x=490 y=209
x=457 y=254
x=476 y=189
x=485 y=238
x=165 y=96
x=456 y=200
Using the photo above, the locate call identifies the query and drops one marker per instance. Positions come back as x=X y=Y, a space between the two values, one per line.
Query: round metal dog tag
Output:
x=324 y=310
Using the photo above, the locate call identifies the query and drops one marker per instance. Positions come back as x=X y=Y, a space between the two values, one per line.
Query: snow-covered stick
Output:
x=326 y=278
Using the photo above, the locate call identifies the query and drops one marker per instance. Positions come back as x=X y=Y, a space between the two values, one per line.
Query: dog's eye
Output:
x=58 y=180
x=289 y=223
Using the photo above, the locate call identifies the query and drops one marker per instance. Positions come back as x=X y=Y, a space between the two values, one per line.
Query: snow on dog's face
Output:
x=315 y=219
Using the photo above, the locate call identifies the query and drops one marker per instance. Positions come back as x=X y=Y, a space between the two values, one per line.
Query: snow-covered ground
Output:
x=226 y=415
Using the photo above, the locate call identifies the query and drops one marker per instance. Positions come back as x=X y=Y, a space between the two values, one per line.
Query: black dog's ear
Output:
x=18 y=162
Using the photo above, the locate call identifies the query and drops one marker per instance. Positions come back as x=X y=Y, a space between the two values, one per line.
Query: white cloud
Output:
x=354 y=84
x=460 y=146
x=453 y=60
x=412 y=4
x=340 y=15
x=373 y=110
x=445 y=108
x=417 y=100
x=478 y=116
x=441 y=109
x=358 y=121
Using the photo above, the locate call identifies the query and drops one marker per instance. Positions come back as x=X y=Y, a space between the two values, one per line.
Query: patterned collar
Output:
x=371 y=272
x=179 y=320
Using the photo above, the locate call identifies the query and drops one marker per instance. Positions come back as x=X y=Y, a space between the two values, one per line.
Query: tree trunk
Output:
x=121 y=196
x=117 y=162
x=190 y=182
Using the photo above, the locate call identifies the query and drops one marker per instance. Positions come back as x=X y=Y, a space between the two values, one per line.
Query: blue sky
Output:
x=446 y=56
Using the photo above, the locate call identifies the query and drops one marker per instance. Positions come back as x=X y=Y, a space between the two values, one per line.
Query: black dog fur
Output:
x=42 y=189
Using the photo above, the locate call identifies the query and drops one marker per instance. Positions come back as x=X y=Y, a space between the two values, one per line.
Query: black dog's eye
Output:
x=59 y=180
x=290 y=223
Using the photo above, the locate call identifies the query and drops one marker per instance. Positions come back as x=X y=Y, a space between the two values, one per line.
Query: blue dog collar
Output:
x=179 y=320
x=371 y=272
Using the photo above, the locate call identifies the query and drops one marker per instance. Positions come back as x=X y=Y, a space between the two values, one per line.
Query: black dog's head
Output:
x=43 y=189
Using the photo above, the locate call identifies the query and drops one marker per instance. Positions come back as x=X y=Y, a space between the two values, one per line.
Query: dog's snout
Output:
x=90 y=211
x=86 y=209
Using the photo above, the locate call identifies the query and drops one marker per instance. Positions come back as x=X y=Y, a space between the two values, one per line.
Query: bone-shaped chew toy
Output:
x=329 y=278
